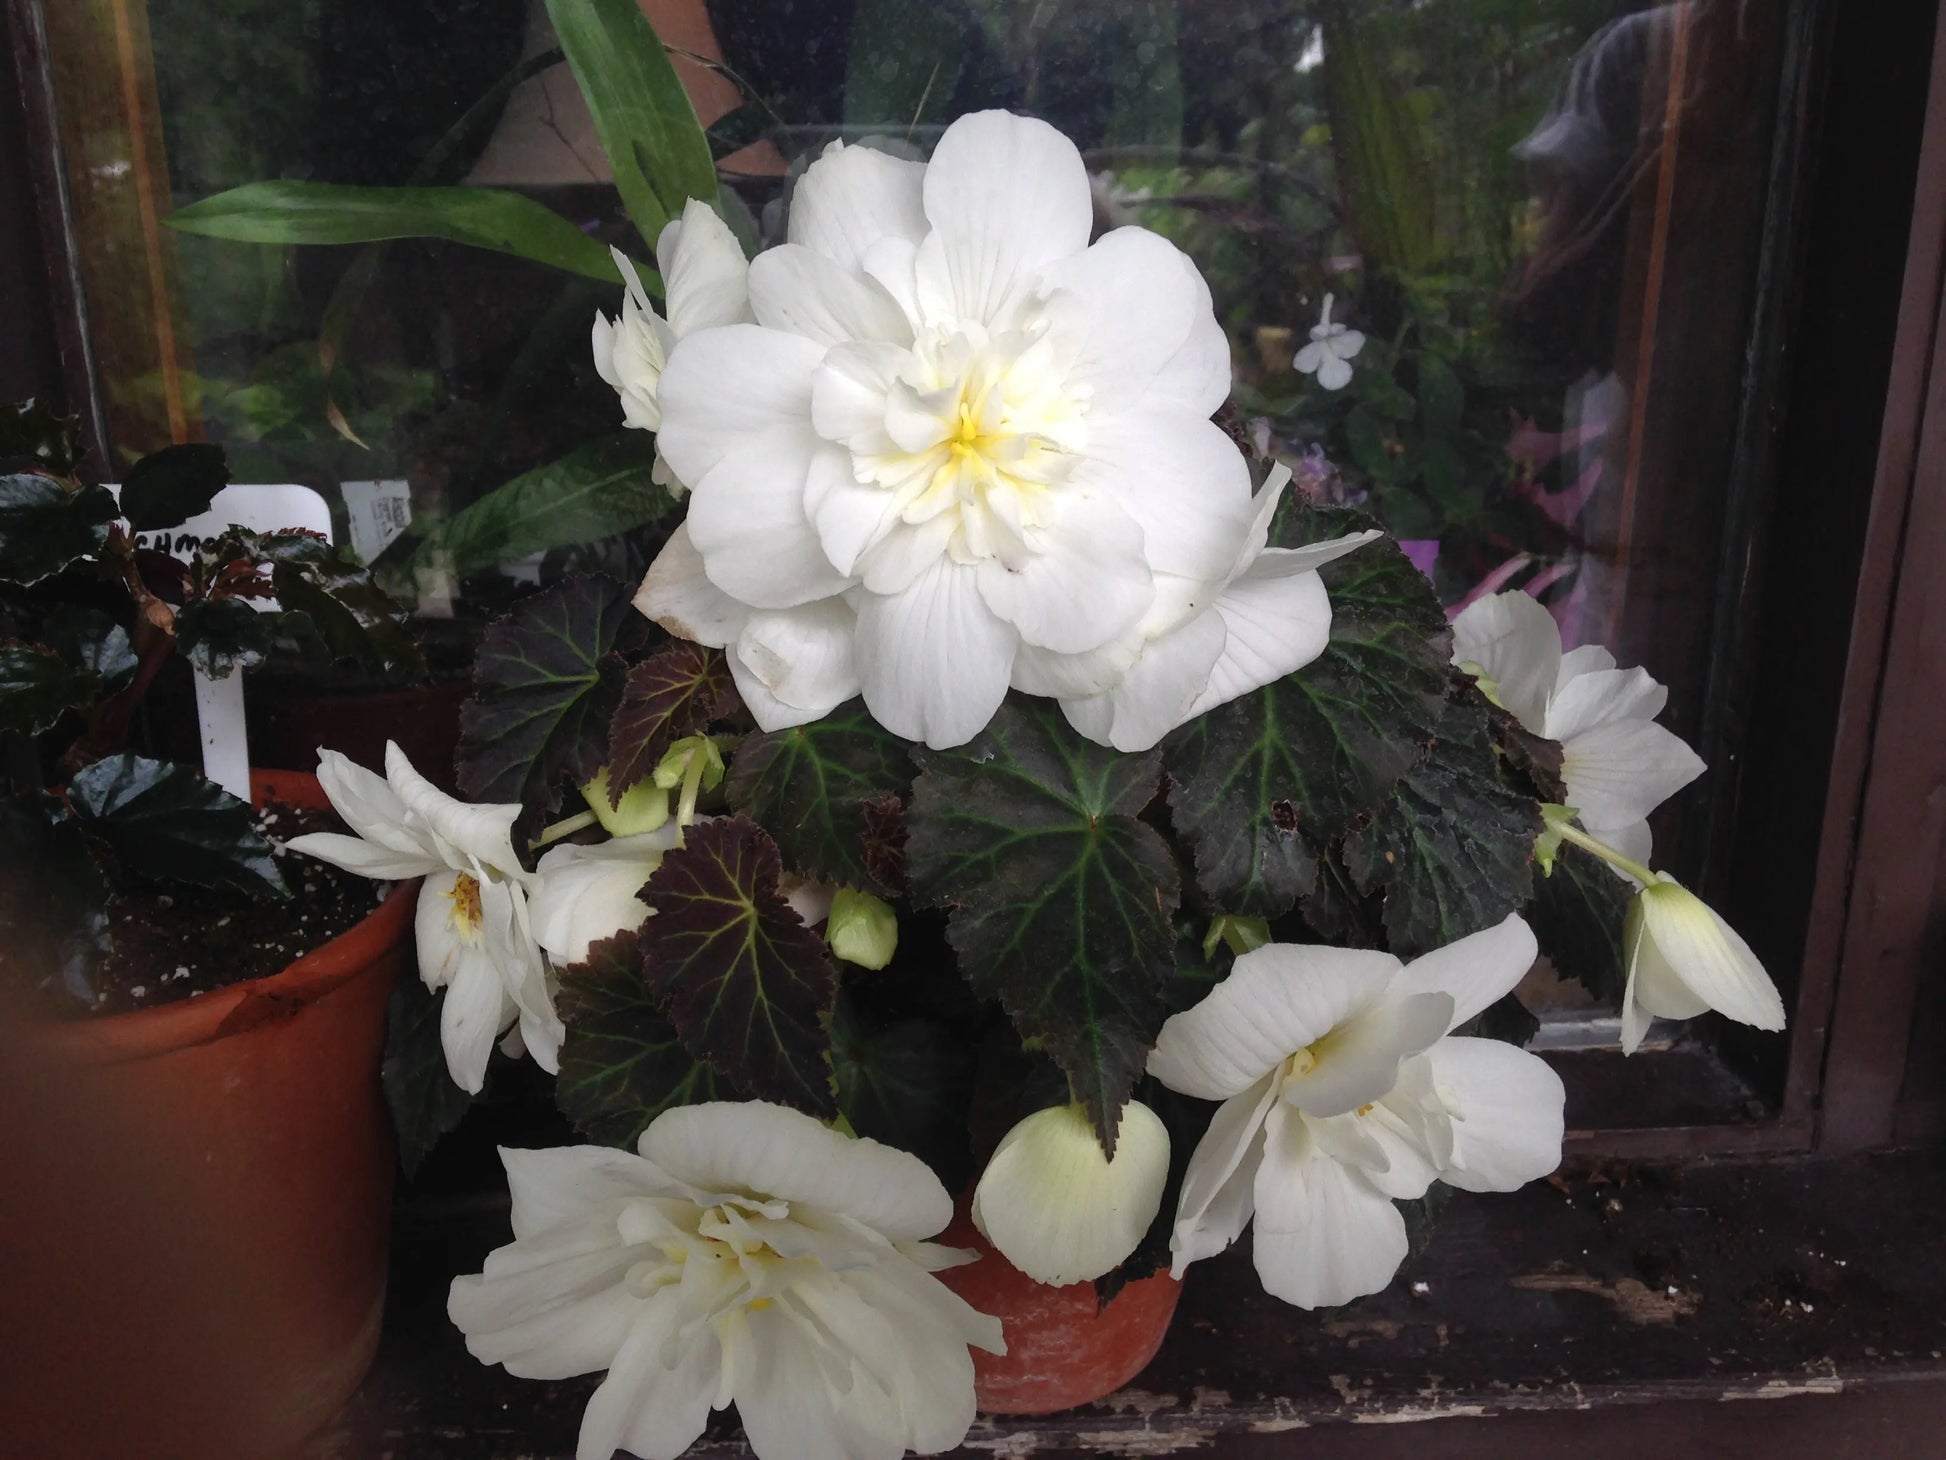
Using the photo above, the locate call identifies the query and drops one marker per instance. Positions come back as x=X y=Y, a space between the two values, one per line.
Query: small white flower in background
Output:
x=1683 y=959
x=748 y=1255
x=587 y=893
x=961 y=435
x=1059 y=1210
x=474 y=936
x=1330 y=352
x=1344 y=1090
x=1618 y=764
x=703 y=273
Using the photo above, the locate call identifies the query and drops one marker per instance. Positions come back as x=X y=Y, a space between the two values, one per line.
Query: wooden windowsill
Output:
x=1575 y=1302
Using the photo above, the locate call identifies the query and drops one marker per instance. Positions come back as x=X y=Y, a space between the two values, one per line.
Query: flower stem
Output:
x=567 y=826
x=692 y=785
x=1607 y=853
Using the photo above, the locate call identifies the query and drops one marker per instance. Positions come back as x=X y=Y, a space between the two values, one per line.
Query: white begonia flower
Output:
x=587 y=893
x=1330 y=352
x=962 y=449
x=474 y=935
x=1617 y=763
x=1683 y=959
x=1344 y=1090
x=1059 y=1210
x=703 y=276
x=748 y=1255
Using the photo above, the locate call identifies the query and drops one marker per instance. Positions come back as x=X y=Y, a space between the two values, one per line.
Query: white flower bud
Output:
x=645 y=806
x=862 y=929
x=1684 y=959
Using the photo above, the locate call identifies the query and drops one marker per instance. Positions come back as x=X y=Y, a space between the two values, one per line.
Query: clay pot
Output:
x=196 y=1203
x=1063 y=1349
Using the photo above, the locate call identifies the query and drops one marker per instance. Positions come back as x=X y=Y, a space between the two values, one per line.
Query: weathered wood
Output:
x=1570 y=1305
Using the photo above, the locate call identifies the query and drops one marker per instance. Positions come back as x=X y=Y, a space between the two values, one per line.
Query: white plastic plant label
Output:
x=378 y=512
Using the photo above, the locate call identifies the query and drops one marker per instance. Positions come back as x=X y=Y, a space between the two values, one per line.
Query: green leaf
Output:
x=545 y=686
x=222 y=634
x=594 y=492
x=1060 y=897
x=1442 y=399
x=424 y=1100
x=749 y=988
x=168 y=487
x=45 y=526
x=312 y=212
x=908 y=1083
x=1453 y=850
x=1261 y=786
x=351 y=613
x=1444 y=474
x=647 y=126
x=33 y=430
x=1578 y=914
x=38 y=686
x=622 y=1063
x=675 y=693
x=166 y=822
x=93 y=642
x=830 y=793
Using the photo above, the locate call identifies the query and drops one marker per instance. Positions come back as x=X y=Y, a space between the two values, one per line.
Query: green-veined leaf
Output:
x=92 y=641
x=622 y=1063
x=1260 y=786
x=164 y=821
x=642 y=114
x=1060 y=896
x=38 y=686
x=45 y=526
x=1578 y=914
x=749 y=988
x=909 y=1083
x=424 y=1099
x=830 y=793
x=674 y=693
x=312 y=212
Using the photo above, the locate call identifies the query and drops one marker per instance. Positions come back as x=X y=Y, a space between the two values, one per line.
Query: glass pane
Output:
x=1489 y=267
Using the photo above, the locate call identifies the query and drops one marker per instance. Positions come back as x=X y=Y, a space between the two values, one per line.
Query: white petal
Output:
x=557 y=1186
x=587 y=893
x=747 y=519
x=1273 y=627
x=848 y=393
x=1324 y=1234
x=1075 y=676
x=1620 y=772
x=371 y=808
x=934 y=660
x=703 y=270
x=789 y=1407
x=647 y=1405
x=798 y=661
x=1218 y=1186
x=365 y=858
x=1590 y=698
x=1088 y=585
x=762 y=1149
x=678 y=594
x=476 y=1008
x=724 y=388
x=1155 y=694
x=1138 y=300
x=1704 y=954
x=1309 y=358
x=905 y=554
x=1182 y=479
x=1198 y=375
x=1358 y=1063
x=478 y=835
x=555 y=1319
x=1006 y=196
x=798 y=289
x=1059 y=1210
x=1588 y=659
x=1288 y=562
x=1333 y=372
x=1632 y=839
x=1277 y=1000
x=1347 y=343
x=850 y=516
x=1516 y=642
x=1508 y=1110
x=1477 y=970
x=851 y=198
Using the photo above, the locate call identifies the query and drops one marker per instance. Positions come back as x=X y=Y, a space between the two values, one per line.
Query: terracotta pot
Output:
x=1062 y=1349
x=195 y=1200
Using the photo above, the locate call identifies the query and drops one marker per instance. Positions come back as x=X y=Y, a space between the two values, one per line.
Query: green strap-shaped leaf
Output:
x=622 y=1063
x=1453 y=850
x=166 y=822
x=38 y=686
x=1578 y=913
x=596 y=491
x=830 y=793
x=545 y=686
x=1262 y=785
x=45 y=526
x=676 y=692
x=225 y=634
x=1060 y=897
x=312 y=212
x=168 y=487
x=424 y=1100
x=749 y=988
x=647 y=126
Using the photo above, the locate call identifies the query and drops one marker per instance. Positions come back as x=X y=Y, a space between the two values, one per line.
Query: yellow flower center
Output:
x=465 y=898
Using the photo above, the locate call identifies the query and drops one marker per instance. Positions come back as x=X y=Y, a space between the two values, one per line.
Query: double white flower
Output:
x=962 y=449
x=1344 y=1090
x=474 y=935
x=748 y=1255
x=1619 y=765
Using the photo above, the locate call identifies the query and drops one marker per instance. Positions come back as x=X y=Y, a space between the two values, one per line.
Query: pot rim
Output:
x=239 y=1007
